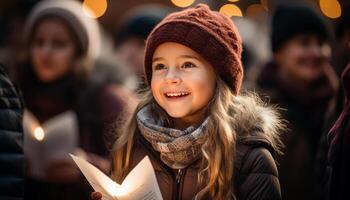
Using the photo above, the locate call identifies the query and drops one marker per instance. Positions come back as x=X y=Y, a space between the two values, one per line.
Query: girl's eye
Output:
x=159 y=67
x=38 y=42
x=58 y=43
x=188 y=65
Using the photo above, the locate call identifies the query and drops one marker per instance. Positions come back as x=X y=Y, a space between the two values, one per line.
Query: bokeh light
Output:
x=330 y=8
x=233 y=0
x=95 y=8
x=255 y=10
x=265 y=4
x=39 y=133
x=182 y=3
x=231 y=10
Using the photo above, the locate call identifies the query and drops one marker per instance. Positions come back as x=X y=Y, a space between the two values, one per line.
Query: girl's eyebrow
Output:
x=190 y=56
x=182 y=56
x=157 y=58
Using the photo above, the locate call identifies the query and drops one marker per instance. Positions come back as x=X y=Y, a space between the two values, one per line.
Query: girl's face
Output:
x=182 y=83
x=52 y=50
x=304 y=57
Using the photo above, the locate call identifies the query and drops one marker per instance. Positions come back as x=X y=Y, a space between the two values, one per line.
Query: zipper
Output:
x=178 y=177
x=178 y=185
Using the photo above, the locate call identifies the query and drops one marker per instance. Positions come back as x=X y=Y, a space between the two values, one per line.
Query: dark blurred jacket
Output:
x=339 y=148
x=304 y=109
x=11 y=141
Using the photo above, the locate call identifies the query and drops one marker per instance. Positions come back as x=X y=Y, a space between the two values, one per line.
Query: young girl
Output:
x=204 y=139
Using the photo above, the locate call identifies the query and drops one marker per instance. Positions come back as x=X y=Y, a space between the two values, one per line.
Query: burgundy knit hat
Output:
x=209 y=33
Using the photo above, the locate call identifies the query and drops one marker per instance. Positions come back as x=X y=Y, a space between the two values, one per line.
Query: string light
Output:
x=182 y=3
x=255 y=10
x=231 y=10
x=330 y=8
x=94 y=8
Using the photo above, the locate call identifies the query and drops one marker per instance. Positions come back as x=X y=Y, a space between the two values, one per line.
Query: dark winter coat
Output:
x=255 y=171
x=339 y=147
x=11 y=141
x=304 y=109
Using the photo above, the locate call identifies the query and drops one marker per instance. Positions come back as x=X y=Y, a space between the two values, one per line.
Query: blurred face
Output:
x=182 y=83
x=131 y=51
x=52 y=50
x=304 y=57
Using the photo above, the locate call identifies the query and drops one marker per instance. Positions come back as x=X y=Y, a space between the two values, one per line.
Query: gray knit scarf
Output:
x=177 y=148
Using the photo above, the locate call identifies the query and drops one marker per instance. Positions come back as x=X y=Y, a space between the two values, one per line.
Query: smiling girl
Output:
x=204 y=139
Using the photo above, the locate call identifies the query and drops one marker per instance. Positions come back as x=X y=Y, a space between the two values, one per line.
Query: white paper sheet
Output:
x=140 y=184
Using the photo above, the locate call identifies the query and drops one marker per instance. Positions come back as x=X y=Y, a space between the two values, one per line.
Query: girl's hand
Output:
x=96 y=196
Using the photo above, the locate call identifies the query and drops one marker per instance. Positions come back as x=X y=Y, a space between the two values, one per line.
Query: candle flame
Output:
x=39 y=133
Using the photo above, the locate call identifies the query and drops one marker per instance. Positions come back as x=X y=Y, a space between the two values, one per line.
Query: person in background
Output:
x=339 y=151
x=58 y=75
x=300 y=80
x=340 y=59
x=130 y=36
x=11 y=140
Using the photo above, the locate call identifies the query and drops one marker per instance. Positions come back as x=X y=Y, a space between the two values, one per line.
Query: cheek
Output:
x=62 y=61
x=64 y=57
x=292 y=57
x=155 y=88
x=295 y=54
x=203 y=90
x=34 y=54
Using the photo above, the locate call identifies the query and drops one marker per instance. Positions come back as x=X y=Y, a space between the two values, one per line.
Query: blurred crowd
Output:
x=56 y=59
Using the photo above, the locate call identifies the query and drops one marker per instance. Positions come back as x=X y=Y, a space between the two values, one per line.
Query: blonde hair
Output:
x=215 y=177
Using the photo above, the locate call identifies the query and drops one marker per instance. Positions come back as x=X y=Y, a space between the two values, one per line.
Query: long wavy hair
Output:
x=215 y=177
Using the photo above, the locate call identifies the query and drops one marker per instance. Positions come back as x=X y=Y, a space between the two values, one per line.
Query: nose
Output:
x=172 y=76
x=314 y=49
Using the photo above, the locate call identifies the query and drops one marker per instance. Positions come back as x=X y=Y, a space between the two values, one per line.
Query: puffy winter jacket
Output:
x=255 y=171
x=11 y=141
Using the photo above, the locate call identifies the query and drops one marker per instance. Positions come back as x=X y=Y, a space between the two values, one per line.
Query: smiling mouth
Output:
x=176 y=94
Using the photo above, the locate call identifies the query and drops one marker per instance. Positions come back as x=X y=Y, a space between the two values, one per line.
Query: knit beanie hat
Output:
x=209 y=33
x=292 y=19
x=71 y=11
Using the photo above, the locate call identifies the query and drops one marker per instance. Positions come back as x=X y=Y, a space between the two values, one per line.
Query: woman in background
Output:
x=62 y=45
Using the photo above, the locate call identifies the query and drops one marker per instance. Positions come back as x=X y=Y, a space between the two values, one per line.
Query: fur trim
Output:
x=258 y=123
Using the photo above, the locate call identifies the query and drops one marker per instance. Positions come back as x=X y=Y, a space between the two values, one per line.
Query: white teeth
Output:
x=176 y=94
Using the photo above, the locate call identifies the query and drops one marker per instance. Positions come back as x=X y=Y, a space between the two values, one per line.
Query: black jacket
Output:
x=11 y=141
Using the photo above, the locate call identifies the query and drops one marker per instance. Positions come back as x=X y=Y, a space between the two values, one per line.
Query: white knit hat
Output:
x=71 y=11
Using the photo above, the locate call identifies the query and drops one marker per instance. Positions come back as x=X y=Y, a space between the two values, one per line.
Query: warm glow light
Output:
x=255 y=10
x=39 y=133
x=94 y=8
x=233 y=0
x=330 y=8
x=265 y=4
x=231 y=10
x=182 y=3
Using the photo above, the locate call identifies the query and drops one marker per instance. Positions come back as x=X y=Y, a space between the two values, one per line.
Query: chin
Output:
x=175 y=114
